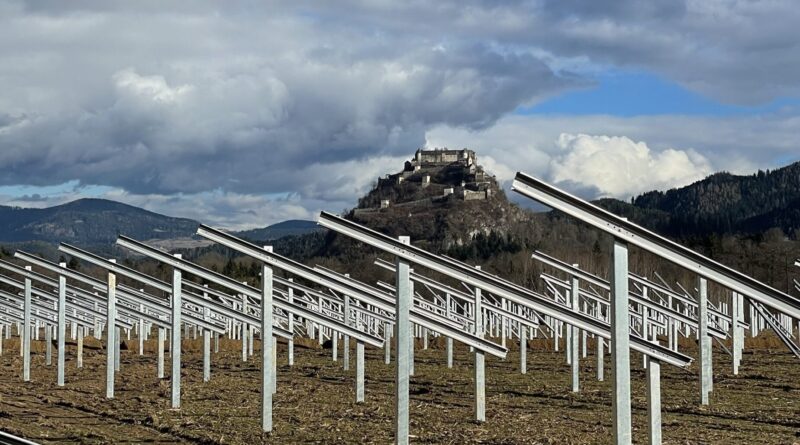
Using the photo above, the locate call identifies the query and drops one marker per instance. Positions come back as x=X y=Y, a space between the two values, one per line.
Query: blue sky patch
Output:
x=631 y=93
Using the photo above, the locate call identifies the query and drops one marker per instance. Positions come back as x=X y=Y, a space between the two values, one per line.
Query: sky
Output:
x=241 y=114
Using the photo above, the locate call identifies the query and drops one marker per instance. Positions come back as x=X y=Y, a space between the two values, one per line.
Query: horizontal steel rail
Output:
x=666 y=291
x=8 y=317
x=421 y=316
x=122 y=294
x=493 y=285
x=605 y=285
x=10 y=439
x=313 y=292
x=346 y=287
x=578 y=273
x=431 y=283
x=654 y=307
x=39 y=278
x=637 y=235
x=229 y=312
x=389 y=298
x=35 y=291
x=234 y=285
x=54 y=312
x=115 y=268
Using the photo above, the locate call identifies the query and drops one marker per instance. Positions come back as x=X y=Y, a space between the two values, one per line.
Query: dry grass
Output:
x=315 y=399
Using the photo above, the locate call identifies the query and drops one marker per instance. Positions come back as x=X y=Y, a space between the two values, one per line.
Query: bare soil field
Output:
x=315 y=402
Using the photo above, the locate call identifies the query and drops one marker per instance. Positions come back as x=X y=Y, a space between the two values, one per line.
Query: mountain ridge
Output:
x=96 y=221
x=448 y=204
x=290 y=227
x=88 y=221
x=722 y=203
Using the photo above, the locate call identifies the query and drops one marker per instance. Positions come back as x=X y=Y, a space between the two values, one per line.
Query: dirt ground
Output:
x=315 y=402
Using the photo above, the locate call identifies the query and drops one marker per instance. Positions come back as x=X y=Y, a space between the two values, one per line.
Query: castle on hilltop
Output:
x=443 y=157
x=431 y=176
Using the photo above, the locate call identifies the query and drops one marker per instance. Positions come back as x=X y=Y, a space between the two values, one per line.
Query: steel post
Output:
x=111 y=341
x=266 y=345
x=704 y=341
x=62 y=326
x=402 y=335
x=26 y=331
x=620 y=345
x=654 y=401
x=175 y=348
x=574 y=337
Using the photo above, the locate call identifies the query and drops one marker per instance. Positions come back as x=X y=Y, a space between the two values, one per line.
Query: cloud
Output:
x=148 y=88
x=34 y=198
x=736 y=51
x=211 y=106
x=619 y=167
x=221 y=209
x=655 y=144
x=242 y=99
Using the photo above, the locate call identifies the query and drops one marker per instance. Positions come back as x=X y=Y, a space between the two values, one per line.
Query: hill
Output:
x=89 y=222
x=97 y=222
x=442 y=199
x=292 y=227
x=448 y=204
x=721 y=204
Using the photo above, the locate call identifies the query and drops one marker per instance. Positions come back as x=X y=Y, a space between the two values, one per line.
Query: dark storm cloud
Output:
x=173 y=101
x=737 y=51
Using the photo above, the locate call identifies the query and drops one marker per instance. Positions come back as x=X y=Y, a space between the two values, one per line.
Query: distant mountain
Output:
x=279 y=230
x=89 y=222
x=97 y=222
x=445 y=204
x=721 y=204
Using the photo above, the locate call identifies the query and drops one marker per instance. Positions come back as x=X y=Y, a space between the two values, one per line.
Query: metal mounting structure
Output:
x=624 y=233
x=622 y=342
x=637 y=235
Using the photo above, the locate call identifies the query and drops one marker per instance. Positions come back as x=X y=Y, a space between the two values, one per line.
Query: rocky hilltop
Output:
x=441 y=198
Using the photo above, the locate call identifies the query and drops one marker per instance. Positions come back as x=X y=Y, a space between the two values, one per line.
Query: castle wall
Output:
x=471 y=195
x=439 y=157
x=442 y=157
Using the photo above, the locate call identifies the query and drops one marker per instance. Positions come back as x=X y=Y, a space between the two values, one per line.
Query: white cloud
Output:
x=233 y=211
x=501 y=172
x=229 y=210
x=619 y=167
x=153 y=88
x=697 y=144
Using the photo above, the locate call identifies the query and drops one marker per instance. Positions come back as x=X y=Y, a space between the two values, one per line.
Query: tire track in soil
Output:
x=83 y=426
x=147 y=423
x=314 y=394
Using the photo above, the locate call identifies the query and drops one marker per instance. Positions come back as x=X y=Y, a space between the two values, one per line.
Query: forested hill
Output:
x=97 y=222
x=290 y=227
x=718 y=206
x=89 y=222
x=721 y=204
